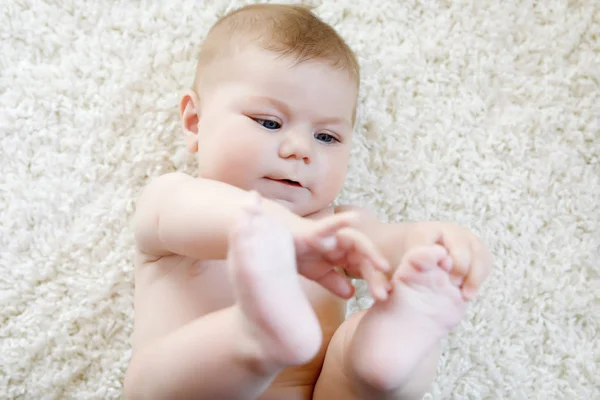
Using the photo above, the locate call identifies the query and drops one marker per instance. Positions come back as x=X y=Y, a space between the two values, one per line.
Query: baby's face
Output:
x=282 y=130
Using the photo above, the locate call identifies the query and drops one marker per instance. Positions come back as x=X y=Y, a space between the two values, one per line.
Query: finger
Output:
x=331 y=225
x=335 y=255
x=352 y=238
x=378 y=284
x=322 y=244
x=344 y=250
x=337 y=284
x=460 y=251
x=322 y=238
x=331 y=249
x=338 y=255
x=480 y=270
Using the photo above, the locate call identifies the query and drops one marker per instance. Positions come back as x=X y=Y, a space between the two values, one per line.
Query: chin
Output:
x=290 y=205
x=294 y=207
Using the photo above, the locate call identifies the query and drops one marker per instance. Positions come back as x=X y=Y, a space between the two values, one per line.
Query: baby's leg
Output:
x=391 y=350
x=235 y=353
x=209 y=358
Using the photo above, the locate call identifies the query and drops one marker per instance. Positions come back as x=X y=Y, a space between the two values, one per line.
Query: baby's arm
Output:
x=179 y=214
x=214 y=355
x=223 y=354
x=392 y=349
x=471 y=259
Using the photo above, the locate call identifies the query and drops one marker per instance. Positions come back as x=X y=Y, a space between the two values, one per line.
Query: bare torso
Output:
x=174 y=290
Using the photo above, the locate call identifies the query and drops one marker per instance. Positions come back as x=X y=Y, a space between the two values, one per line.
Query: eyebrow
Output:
x=274 y=102
x=335 y=121
x=286 y=110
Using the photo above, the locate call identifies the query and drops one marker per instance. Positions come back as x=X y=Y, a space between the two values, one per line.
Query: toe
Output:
x=427 y=257
x=446 y=264
x=421 y=259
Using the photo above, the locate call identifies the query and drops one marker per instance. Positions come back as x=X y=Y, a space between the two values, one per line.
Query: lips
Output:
x=290 y=182
x=287 y=182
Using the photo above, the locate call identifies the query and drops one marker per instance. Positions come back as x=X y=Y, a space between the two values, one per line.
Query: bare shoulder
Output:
x=147 y=209
x=157 y=186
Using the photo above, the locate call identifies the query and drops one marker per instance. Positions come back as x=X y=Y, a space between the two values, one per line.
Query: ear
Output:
x=189 y=115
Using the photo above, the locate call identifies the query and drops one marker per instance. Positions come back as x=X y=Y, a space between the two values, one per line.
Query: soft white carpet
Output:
x=486 y=113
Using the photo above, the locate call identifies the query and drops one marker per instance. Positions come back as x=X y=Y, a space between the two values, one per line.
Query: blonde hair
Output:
x=288 y=30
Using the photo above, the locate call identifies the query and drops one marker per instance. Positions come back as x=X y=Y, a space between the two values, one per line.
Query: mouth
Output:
x=288 y=182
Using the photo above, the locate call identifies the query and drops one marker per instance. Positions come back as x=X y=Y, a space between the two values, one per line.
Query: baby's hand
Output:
x=333 y=242
x=471 y=260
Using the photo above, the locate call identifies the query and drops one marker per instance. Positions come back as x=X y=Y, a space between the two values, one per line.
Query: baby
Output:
x=242 y=273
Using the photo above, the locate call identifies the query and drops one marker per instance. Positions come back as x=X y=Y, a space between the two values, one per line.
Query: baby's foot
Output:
x=396 y=334
x=275 y=309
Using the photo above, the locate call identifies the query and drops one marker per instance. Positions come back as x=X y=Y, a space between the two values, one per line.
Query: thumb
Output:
x=337 y=284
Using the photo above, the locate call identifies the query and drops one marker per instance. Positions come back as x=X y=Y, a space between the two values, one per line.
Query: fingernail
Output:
x=349 y=292
x=384 y=265
x=329 y=243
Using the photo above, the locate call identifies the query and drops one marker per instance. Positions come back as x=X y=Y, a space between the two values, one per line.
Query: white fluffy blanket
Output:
x=482 y=112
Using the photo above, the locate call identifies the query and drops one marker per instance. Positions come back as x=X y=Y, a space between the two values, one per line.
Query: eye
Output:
x=268 y=123
x=326 y=138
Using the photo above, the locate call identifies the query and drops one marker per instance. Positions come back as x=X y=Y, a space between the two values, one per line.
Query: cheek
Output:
x=230 y=141
x=244 y=148
x=335 y=167
x=338 y=164
x=234 y=154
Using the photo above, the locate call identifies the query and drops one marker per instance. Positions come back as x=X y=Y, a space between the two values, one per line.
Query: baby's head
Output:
x=273 y=105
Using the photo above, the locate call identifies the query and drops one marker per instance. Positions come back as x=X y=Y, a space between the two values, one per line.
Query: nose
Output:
x=296 y=145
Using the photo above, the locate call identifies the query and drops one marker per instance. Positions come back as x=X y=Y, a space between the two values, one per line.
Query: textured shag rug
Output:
x=482 y=112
